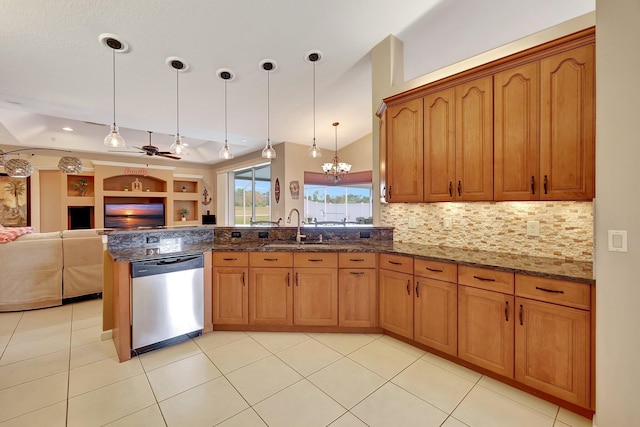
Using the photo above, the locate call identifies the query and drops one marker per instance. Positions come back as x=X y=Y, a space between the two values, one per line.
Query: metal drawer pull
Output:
x=356 y=259
x=356 y=272
x=506 y=311
x=297 y=283
x=288 y=279
x=435 y=270
x=533 y=185
x=408 y=287
x=395 y=263
x=315 y=260
x=484 y=279
x=521 y=315
x=450 y=189
x=553 y=291
x=270 y=259
x=243 y=283
x=459 y=188
x=545 y=184
x=417 y=291
x=229 y=259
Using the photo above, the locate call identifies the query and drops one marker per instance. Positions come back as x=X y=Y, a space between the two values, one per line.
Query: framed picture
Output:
x=14 y=201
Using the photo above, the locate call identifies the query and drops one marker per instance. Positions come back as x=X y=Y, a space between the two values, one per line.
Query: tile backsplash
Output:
x=566 y=228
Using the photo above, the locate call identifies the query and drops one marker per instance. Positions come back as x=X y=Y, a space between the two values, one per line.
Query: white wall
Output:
x=617 y=208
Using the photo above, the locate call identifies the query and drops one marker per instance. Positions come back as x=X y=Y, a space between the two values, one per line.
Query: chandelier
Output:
x=336 y=170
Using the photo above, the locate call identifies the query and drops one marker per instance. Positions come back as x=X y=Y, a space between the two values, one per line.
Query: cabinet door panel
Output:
x=315 y=297
x=552 y=350
x=567 y=139
x=230 y=295
x=270 y=296
x=474 y=140
x=485 y=329
x=516 y=122
x=439 y=146
x=396 y=302
x=436 y=315
x=404 y=152
x=357 y=302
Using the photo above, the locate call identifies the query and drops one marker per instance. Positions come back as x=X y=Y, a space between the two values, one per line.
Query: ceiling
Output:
x=54 y=71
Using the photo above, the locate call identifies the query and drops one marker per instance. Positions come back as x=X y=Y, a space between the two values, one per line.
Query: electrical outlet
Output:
x=533 y=228
x=448 y=223
x=412 y=222
x=236 y=234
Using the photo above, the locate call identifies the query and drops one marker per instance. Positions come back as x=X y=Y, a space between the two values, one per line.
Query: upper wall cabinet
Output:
x=404 y=152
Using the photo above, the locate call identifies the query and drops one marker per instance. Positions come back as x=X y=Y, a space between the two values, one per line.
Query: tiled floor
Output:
x=55 y=371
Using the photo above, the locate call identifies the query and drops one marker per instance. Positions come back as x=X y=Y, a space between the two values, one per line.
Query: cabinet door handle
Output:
x=533 y=185
x=484 y=279
x=435 y=270
x=314 y=259
x=408 y=287
x=459 y=188
x=417 y=291
x=395 y=263
x=297 y=284
x=390 y=192
x=545 y=184
x=450 y=189
x=356 y=259
x=521 y=315
x=506 y=311
x=229 y=259
x=553 y=291
x=243 y=283
x=288 y=279
x=270 y=259
x=356 y=272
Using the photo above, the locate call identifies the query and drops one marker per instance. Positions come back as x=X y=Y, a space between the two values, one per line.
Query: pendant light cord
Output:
x=113 y=62
x=177 y=105
x=314 y=104
x=225 y=114
x=268 y=108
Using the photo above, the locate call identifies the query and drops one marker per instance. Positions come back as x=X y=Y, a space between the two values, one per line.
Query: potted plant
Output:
x=81 y=186
x=184 y=212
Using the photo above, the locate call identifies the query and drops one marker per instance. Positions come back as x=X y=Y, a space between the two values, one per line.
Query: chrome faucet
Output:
x=298 y=235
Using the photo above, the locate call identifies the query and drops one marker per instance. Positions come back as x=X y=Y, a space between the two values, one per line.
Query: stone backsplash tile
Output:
x=566 y=228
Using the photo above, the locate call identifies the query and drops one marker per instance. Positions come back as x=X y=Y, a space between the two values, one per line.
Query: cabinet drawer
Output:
x=271 y=259
x=315 y=259
x=228 y=259
x=357 y=260
x=571 y=294
x=484 y=278
x=444 y=271
x=401 y=264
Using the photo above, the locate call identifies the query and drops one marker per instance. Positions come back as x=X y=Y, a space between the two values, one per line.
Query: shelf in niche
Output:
x=190 y=187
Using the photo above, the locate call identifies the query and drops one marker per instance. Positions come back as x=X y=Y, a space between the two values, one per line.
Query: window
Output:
x=338 y=203
x=252 y=194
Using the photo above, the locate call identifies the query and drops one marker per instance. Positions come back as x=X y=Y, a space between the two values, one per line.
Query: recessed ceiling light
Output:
x=68 y=129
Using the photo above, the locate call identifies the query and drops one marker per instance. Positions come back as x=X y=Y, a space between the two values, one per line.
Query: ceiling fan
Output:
x=152 y=150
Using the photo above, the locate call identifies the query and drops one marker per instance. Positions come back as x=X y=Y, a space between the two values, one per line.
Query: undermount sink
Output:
x=296 y=245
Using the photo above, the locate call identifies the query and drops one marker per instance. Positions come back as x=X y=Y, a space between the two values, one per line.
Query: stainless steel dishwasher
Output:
x=167 y=300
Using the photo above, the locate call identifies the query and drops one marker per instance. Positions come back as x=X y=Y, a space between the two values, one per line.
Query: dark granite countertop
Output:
x=543 y=267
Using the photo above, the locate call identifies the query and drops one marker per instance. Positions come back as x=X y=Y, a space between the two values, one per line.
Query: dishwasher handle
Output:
x=176 y=260
x=166 y=265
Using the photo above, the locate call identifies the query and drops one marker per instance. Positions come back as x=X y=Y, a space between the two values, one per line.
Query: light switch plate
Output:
x=412 y=222
x=617 y=240
x=533 y=228
x=447 y=223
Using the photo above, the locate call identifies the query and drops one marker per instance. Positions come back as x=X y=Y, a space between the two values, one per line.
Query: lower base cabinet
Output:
x=315 y=296
x=230 y=295
x=270 y=296
x=396 y=302
x=436 y=315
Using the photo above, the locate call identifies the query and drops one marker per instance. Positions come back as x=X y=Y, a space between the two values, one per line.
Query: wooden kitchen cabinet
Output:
x=395 y=284
x=230 y=288
x=271 y=288
x=439 y=146
x=567 y=131
x=315 y=295
x=553 y=339
x=357 y=290
x=404 y=173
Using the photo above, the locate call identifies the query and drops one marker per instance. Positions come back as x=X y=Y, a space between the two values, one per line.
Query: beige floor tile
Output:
x=45 y=317
x=572 y=419
x=262 y=379
x=89 y=308
x=93 y=352
x=278 y=341
x=102 y=373
x=31 y=396
x=434 y=385
x=237 y=354
x=34 y=368
x=347 y=382
x=87 y=322
x=50 y=416
x=9 y=322
x=176 y=377
x=309 y=356
x=547 y=408
x=86 y=335
x=218 y=339
x=452 y=422
x=163 y=356
x=486 y=408
x=344 y=343
x=38 y=333
x=454 y=368
x=34 y=348
x=246 y=418
x=347 y=420
x=147 y=417
x=392 y=406
x=560 y=424
x=205 y=405
x=401 y=345
x=302 y=404
x=110 y=403
x=383 y=359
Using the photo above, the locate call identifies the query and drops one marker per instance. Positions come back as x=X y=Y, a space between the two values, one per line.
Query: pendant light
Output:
x=226 y=75
x=178 y=147
x=268 y=65
x=21 y=168
x=114 y=139
x=313 y=57
x=336 y=170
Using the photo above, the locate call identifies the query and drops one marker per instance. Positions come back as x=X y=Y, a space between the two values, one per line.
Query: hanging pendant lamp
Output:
x=336 y=170
x=178 y=147
x=313 y=57
x=268 y=65
x=226 y=75
x=114 y=139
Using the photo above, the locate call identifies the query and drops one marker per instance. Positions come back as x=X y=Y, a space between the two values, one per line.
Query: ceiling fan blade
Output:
x=165 y=152
x=168 y=156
